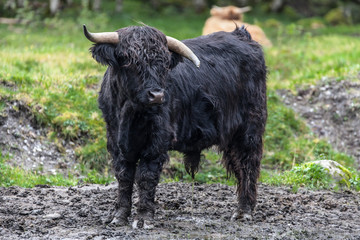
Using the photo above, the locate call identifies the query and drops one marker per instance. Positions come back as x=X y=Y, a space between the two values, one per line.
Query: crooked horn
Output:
x=180 y=48
x=244 y=9
x=104 y=37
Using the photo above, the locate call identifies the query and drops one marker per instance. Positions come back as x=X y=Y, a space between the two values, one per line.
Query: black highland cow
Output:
x=154 y=100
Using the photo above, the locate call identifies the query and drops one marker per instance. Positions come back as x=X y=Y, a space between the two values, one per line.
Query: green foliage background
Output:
x=55 y=76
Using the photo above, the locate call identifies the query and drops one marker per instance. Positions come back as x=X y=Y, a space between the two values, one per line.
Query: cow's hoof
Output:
x=108 y=219
x=241 y=216
x=141 y=223
x=247 y=217
x=117 y=218
x=118 y=222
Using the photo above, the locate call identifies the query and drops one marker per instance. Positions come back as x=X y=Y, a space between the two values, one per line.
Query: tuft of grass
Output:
x=312 y=176
x=95 y=177
x=355 y=180
x=94 y=155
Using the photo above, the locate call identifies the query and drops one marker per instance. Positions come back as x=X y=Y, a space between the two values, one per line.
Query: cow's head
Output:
x=139 y=59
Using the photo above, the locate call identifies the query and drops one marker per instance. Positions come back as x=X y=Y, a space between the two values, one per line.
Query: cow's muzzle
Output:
x=156 y=96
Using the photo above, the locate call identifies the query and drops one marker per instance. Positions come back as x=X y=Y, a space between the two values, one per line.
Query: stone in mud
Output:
x=53 y=216
x=337 y=171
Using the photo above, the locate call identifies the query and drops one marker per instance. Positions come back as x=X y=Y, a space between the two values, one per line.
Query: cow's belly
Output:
x=195 y=137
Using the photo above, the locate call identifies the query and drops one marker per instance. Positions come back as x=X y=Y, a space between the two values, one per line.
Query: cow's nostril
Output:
x=156 y=96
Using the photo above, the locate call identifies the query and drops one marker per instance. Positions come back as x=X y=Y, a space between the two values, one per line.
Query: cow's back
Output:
x=211 y=100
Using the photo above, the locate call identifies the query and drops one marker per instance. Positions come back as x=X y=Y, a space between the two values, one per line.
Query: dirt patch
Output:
x=182 y=213
x=332 y=110
x=7 y=84
x=28 y=145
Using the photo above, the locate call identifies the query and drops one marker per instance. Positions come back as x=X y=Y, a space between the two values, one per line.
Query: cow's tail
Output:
x=242 y=33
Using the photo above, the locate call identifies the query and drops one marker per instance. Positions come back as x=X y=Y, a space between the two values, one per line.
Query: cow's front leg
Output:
x=125 y=174
x=147 y=178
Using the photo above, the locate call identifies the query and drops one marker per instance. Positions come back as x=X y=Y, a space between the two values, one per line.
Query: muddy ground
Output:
x=182 y=213
x=331 y=109
x=28 y=144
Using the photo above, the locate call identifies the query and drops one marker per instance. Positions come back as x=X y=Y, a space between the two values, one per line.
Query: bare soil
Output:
x=183 y=212
x=28 y=145
x=332 y=110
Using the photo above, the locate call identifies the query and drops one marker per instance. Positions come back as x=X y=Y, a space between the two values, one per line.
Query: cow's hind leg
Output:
x=147 y=178
x=243 y=158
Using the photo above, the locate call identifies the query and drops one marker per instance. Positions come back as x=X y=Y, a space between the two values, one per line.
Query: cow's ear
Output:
x=175 y=59
x=104 y=54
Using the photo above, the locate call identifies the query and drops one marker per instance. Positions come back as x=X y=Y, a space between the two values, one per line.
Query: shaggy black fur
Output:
x=221 y=103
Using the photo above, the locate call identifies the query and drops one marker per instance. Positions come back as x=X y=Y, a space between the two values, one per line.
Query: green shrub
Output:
x=336 y=17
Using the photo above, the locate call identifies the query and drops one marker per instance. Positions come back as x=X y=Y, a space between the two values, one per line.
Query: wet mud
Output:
x=184 y=211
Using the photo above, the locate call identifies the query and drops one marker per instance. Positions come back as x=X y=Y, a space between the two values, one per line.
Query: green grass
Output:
x=288 y=141
x=54 y=74
x=311 y=176
x=11 y=176
x=15 y=176
x=306 y=60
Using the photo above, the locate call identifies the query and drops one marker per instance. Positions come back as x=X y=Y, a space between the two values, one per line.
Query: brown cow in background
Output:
x=225 y=18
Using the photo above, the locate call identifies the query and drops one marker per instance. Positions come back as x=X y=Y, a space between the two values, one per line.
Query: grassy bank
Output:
x=52 y=72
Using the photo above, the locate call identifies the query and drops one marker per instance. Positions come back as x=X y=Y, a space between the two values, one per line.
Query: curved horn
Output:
x=104 y=37
x=180 y=48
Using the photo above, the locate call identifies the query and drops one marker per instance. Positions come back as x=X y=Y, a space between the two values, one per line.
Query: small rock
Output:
x=53 y=216
x=335 y=169
x=33 y=135
x=25 y=212
x=37 y=212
